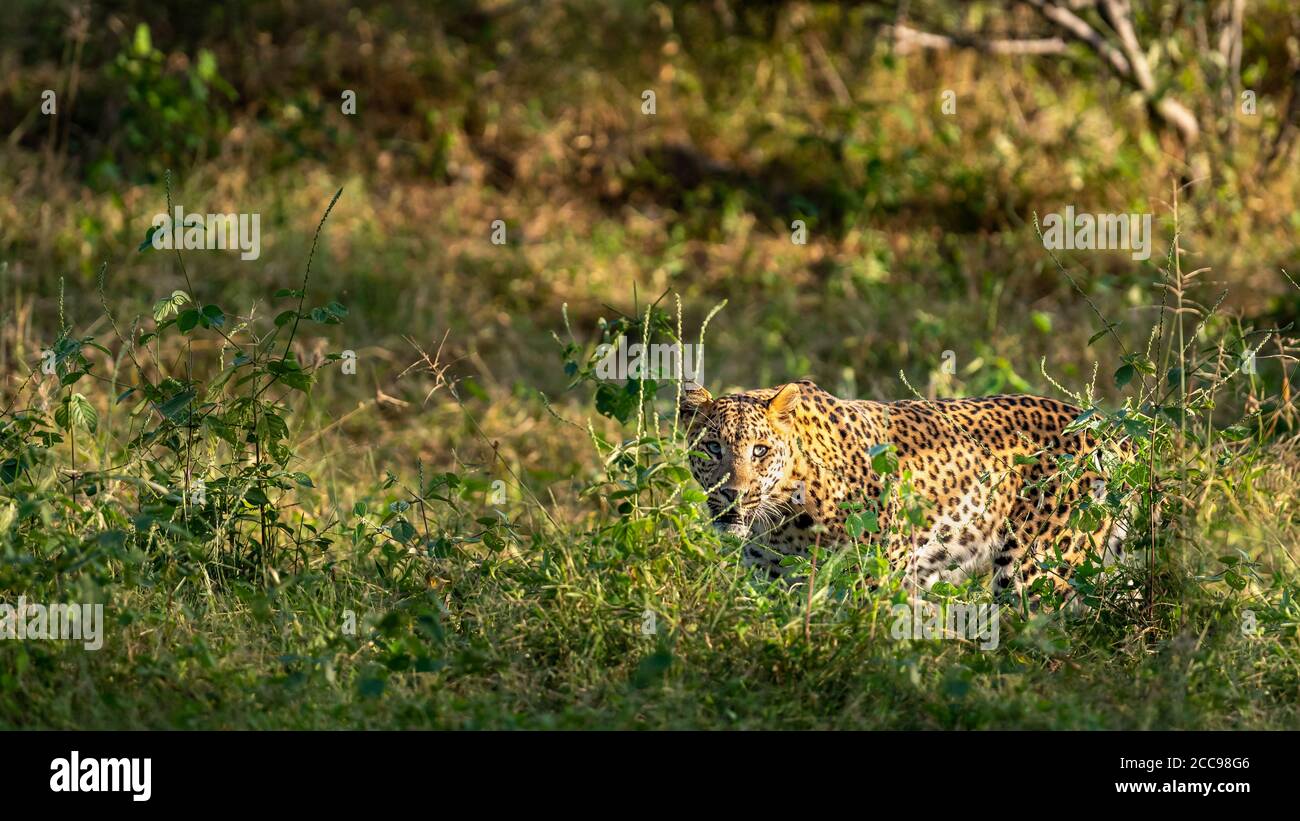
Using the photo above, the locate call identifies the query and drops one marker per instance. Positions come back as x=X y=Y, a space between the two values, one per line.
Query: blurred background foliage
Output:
x=920 y=222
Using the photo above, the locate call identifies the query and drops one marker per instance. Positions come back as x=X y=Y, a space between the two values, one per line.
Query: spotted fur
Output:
x=778 y=461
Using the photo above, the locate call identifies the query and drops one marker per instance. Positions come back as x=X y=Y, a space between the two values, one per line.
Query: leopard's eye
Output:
x=714 y=449
x=760 y=451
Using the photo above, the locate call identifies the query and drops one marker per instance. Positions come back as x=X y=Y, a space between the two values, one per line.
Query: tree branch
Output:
x=908 y=39
x=1128 y=61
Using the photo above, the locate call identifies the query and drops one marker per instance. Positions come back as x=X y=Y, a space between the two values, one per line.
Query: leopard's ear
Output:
x=696 y=403
x=780 y=408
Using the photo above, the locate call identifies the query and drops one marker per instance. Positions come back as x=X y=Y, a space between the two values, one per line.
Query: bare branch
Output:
x=1116 y=44
x=1080 y=30
x=1128 y=61
x=1119 y=15
x=908 y=39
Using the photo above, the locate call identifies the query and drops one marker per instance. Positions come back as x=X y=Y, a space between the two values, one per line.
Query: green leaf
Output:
x=288 y=372
x=1102 y=332
x=883 y=458
x=207 y=68
x=172 y=407
x=1124 y=375
x=187 y=321
x=76 y=411
x=147 y=245
x=402 y=531
x=1236 y=433
x=168 y=306
x=143 y=44
x=615 y=402
x=327 y=316
x=223 y=430
x=866 y=521
x=214 y=316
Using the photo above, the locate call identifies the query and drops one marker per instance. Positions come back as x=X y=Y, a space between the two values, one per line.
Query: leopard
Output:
x=996 y=478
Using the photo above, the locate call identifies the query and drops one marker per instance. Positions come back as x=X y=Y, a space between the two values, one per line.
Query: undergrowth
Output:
x=170 y=471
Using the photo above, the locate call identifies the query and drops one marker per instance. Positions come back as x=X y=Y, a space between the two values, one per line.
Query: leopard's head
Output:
x=743 y=449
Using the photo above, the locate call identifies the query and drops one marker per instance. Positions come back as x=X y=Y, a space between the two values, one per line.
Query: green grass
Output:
x=296 y=597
